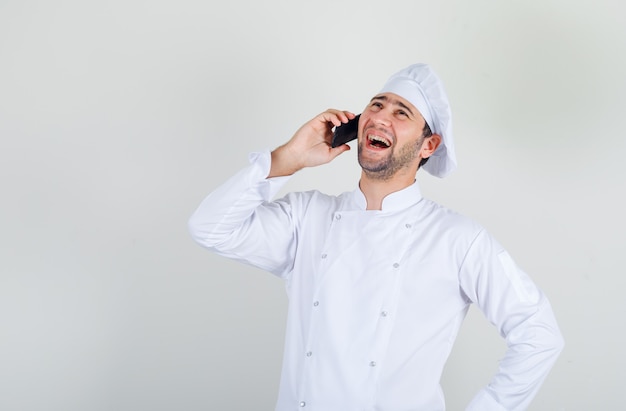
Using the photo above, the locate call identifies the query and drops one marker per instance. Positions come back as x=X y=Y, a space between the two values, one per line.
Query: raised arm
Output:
x=310 y=145
x=238 y=219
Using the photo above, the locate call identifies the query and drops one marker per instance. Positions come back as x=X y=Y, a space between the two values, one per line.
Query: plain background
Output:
x=118 y=117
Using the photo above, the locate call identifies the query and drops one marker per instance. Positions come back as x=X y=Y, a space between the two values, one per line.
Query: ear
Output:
x=429 y=145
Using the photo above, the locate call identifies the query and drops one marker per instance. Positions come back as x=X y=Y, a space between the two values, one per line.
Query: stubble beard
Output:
x=386 y=167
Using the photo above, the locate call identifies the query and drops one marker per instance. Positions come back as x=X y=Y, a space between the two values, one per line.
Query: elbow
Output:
x=194 y=229
x=208 y=233
x=549 y=331
x=556 y=339
x=198 y=231
x=558 y=342
x=552 y=347
x=551 y=342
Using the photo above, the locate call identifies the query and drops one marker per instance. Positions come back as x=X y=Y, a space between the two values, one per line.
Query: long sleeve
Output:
x=524 y=318
x=237 y=220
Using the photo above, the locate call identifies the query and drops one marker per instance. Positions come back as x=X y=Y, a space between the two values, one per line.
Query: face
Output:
x=390 y=137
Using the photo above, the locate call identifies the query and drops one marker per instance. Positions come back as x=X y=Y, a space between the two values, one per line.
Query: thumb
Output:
x=336 y=151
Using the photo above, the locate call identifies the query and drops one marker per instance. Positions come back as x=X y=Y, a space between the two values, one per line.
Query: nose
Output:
x=381 y=118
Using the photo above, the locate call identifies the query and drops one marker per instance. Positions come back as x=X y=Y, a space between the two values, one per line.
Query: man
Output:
x=380 y=279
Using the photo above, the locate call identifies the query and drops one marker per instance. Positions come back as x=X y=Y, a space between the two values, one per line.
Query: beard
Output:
x=388 y=165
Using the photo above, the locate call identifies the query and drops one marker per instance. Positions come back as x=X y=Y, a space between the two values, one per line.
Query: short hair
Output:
x=426 y=132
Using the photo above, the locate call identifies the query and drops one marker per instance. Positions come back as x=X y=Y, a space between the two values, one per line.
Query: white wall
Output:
x=117 y=117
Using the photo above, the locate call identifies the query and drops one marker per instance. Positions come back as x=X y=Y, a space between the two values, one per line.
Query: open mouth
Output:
x=378 y=141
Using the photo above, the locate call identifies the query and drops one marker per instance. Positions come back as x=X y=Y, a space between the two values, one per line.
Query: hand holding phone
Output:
x=345 y=132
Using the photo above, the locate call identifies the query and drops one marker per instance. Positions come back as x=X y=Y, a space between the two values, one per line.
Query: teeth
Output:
x=374 y=138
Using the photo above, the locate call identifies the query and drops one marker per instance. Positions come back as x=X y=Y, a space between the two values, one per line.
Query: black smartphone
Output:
x=345 y=132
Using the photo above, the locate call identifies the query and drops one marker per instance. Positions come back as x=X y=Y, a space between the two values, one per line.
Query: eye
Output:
x=376 y=105
x=402 y=113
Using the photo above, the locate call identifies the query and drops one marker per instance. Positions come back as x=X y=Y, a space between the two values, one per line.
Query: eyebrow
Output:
x=394 y=101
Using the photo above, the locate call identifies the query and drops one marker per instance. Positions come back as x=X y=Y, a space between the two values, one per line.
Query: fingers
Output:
x=334 y=152
x=310 y=146
x=336 y=117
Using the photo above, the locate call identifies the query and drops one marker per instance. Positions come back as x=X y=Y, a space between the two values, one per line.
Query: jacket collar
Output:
x=396 y=201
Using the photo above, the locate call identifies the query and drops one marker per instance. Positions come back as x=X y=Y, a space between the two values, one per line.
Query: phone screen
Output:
x=346 y=132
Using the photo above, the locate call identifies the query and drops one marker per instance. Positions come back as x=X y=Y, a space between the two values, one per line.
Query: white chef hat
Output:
x=419 y=84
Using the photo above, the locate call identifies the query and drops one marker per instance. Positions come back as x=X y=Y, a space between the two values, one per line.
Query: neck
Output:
x=375 y=189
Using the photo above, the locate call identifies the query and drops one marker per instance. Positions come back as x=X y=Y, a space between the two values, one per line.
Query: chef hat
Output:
x=419 y=84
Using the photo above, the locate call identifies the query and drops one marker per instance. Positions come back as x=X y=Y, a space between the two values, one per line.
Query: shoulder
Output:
x=446 y=228
x=316 y=200
x=446 y=218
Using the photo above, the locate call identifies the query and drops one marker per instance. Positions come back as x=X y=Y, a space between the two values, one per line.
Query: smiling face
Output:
x=391 y=139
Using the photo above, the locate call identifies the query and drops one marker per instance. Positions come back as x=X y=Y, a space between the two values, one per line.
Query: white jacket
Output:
x=376 y=298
